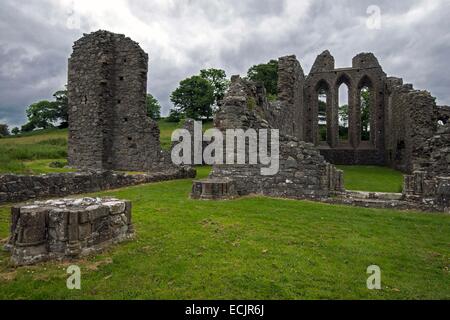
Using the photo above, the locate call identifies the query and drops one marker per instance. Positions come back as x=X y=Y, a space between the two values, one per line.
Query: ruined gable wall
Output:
x=303 y=171
x=430 y=183
x=365 y=71
x=287 y=112
x=108 y=127
x=411 y=121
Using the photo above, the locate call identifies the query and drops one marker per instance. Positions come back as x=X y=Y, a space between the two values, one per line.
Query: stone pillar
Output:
x=353 y=101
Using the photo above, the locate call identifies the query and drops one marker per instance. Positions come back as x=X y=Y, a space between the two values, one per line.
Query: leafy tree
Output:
x=219 y=81
x=153 y=107
x=28 y=127
x=194 y=98
x=4 y=131
x=42 y=114
x=343 y=113
x=365 y=114
x=267 y=74
x=15 y=131
x=174 y=116
x=61 y=106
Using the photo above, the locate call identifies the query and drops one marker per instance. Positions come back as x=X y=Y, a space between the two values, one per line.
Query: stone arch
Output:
x=322 y=112
x=343 y=123
x=365 y=111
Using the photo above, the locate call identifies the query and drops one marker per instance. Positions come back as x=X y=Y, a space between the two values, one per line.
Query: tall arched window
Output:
x=322 y=114
x=343 y=112
x=366 y=101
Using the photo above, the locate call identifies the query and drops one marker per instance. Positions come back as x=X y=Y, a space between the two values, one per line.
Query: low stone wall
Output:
x=67 y=228
x=15 y=188
x=430 y=193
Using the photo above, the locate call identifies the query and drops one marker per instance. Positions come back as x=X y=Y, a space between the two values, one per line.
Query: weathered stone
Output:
x=108 y=125
x=213 y=189
x=54 y=229
x=287 y=182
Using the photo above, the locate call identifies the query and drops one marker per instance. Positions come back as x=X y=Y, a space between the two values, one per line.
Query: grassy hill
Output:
x=31 y=153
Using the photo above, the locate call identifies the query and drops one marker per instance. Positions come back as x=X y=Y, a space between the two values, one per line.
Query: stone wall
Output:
x=15 y=188
x=324 y=77
x=67 y=228
x=411 y=120
x=287 y=112
x=430 y=182
x=443 y=114
x=303 y=171
x=108 y=126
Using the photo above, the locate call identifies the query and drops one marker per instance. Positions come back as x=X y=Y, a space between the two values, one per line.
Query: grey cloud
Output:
x=182 y=37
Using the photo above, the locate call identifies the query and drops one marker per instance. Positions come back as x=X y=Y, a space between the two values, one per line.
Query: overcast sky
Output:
x=184 y=36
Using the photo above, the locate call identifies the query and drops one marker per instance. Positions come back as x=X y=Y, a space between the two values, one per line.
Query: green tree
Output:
x=218 y=79
x=365 y=114
x=343 y=114
x=15 y=131
x=61 y=105
x=4 y=131
x=267 y=74
x=194 y=98
x=42 y=114
x=28 y=127
x=153 y=107
x=174 y=116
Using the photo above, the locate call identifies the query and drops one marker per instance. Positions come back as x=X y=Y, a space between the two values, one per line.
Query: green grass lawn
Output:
x=372 y=178
x=249 y=248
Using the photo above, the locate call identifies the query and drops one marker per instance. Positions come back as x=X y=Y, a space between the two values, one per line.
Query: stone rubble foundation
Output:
x=67 y=228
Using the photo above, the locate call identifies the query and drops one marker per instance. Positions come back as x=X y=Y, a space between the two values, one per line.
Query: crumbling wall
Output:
x=108 y=126
x=325 y=78
x=429 y=184
x=286 y=113
x=443 y=114
x=303 y=172
x=411 y=120
x=14 y=188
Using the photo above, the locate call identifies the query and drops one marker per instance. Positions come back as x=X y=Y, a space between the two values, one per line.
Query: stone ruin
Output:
x=108 y=125
x=407 y=131
x=429 y=184
x=303 y=171
x=67 y=228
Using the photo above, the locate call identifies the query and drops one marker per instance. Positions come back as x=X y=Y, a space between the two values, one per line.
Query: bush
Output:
x=174 y=116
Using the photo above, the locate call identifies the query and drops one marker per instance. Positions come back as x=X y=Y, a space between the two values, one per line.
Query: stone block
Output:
x=66 y=228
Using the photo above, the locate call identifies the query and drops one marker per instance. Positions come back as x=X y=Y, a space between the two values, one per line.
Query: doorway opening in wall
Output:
x=365 y=107
x=322 y=116
x=343 y=113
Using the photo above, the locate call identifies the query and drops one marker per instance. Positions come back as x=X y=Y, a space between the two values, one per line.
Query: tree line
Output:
x=196 y=97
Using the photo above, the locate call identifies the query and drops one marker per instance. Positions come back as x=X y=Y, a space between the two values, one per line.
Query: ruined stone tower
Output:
x=108 y=126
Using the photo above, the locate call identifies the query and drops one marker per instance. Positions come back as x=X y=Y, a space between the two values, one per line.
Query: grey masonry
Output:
x=108 y=126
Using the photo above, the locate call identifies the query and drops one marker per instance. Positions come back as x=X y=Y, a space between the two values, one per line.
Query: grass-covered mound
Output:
x=250 y=248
